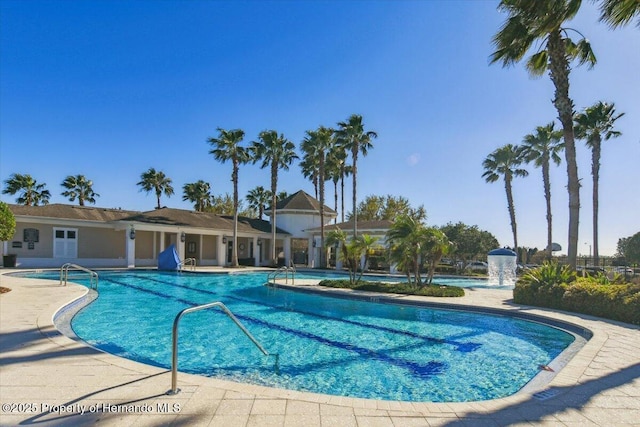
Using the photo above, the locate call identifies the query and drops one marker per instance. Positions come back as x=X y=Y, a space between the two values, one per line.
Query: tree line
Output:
x=540 y=26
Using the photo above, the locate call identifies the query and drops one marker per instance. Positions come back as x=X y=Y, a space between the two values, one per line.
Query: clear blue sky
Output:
x=109 y=89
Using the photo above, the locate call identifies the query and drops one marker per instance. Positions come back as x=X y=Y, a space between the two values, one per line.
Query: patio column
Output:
x=311 y=250
x=256 y=252
x=287 y=250
x=180 y=245
x=130 y=249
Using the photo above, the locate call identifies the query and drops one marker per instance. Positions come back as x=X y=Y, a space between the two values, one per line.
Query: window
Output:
x=65 y=243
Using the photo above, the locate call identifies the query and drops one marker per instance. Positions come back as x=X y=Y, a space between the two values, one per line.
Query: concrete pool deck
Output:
x=49 y=379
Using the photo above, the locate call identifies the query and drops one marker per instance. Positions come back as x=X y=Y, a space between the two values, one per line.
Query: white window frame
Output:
x=69 y=246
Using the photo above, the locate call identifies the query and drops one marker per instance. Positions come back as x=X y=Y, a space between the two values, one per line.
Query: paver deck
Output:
x=48 y=379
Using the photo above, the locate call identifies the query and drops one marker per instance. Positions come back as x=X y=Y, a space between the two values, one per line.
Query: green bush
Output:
x=434 y=290
x=446 y=269
x=556 y=286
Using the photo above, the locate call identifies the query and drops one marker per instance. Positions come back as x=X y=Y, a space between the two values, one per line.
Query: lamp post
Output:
x=586 y=243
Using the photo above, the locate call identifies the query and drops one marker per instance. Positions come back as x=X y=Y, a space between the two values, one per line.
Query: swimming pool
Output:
x=326 y=345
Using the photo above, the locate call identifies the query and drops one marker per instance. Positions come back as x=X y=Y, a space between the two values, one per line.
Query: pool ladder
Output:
x=188 y=262
x=64 y=274
x=286 y=270
x=174 y=350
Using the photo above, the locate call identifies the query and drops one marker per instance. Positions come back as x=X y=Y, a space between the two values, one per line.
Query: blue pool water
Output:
x=325 y=345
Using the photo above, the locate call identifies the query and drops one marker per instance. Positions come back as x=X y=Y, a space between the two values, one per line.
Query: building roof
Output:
x=164 y=216
x=302 y=201
x=61 y=211
x=372 y=226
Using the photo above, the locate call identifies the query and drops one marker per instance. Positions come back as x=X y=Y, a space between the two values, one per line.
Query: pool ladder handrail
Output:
x=290 y=269
x=64 y=274
x=188 y=262
x=174 y=349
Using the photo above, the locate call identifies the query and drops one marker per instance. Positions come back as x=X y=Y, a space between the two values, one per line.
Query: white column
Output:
x=311 y=259
x=200 y=249
x=287 y=250
x=256 y=252
x=130 y=250
x=339 y=260
x=222 y=252
x=180 y=245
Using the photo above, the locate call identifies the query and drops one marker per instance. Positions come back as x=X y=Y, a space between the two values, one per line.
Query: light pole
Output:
x=586 y=243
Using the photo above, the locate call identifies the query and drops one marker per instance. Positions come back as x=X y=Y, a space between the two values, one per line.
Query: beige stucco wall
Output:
x=41 y=249
x=144 y=244
x=101 y=243
x=209 y=247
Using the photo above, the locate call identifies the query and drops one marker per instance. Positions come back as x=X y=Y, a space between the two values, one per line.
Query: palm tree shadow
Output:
x=552 y=400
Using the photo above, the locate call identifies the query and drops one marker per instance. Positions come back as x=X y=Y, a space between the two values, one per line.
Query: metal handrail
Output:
x=174 y=350
x=64 y=274
x=188 y=261
x=286 y=270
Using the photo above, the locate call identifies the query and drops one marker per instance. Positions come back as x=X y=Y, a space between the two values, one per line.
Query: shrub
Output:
x=556 y=286
x=433 y=290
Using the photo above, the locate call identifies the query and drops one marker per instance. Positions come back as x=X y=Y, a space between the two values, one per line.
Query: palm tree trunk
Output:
x=595 y=171
x=274 y=187
x=512 y=213
x=335 y=200
x=321 y=182
x=342 y=194
x=547 y=197
x=354 y=172
x=234 y=249
x=559 y=73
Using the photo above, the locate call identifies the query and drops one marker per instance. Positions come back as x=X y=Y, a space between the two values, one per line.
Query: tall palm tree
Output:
x=338 y=170
x=309 y=167
x=79 y=187
x=504 y=162
x=198 y=193
x=594 y=125
x=352 y=136
x=30 y=192
x=226 y=147
x=156 y=181
x=540 y=24
x=316 y=144
x=618 y=13
x=541 y=148
x=258 y=198
x=276 y=152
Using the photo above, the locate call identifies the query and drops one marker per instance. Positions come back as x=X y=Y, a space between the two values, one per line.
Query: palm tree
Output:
x=618 y=13
x=337 y=170
x=30 y=192
x=504 y=162
x=593 y=125
x=309 y=167
x=258 y=198
x=352 y=136
x=540 y=23
x=79 y=187
x=541 y=148
x=156 y=181
x=276 y=152
x=316 y=144
x=198 y=193
x=403 y=246
x=227 y=147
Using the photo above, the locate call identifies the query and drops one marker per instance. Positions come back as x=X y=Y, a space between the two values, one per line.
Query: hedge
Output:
x=433 y=290
x=612 y=301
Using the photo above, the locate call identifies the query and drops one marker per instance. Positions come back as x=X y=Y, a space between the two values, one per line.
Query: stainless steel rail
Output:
x=64 y=274
x=174 y=350
x=188 y=262
x=286 y=270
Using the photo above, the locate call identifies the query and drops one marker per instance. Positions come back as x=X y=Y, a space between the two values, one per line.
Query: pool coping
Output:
x=599 y=386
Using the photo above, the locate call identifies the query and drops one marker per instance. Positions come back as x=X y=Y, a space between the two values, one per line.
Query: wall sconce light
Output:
x=259 y=242
x=224 y=239
x=132 y=233
x=183 y=237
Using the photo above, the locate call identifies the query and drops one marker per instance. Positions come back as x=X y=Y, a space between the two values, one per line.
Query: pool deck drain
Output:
x=47 y=379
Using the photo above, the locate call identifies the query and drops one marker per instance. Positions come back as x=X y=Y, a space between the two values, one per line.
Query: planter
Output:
x=9 y=260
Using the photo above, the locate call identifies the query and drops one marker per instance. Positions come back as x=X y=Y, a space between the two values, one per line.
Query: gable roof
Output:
x=181 y=217
x=302 y=201
x=164 y=216
x=60 y=211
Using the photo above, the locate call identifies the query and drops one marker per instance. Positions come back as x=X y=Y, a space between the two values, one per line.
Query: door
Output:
x=65 y=242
